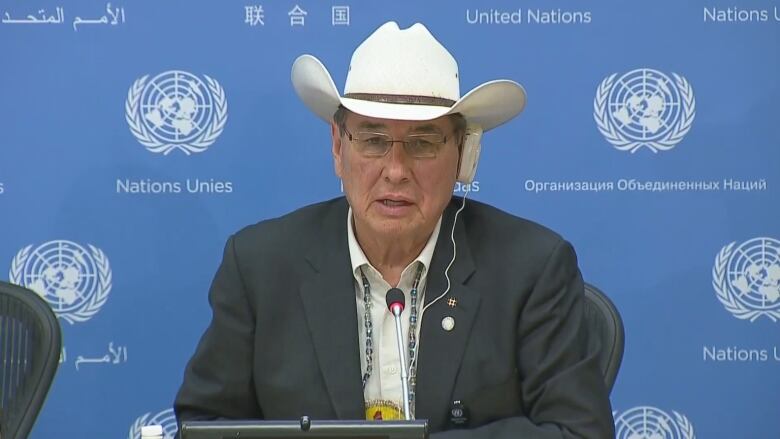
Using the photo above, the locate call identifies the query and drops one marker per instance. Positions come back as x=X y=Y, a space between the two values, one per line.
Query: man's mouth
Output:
x=395 y=203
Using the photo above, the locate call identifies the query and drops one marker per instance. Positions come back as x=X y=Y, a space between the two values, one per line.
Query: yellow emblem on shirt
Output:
x=383 y=410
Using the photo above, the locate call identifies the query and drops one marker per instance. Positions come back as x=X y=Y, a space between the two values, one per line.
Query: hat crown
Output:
x=409 y=62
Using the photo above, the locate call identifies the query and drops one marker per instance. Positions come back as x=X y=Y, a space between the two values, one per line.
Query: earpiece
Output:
x=469 y=156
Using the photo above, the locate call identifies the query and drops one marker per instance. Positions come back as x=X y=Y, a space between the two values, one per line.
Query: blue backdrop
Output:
x=136 y=136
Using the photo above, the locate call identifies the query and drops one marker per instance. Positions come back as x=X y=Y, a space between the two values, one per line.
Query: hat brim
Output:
x=487 y=105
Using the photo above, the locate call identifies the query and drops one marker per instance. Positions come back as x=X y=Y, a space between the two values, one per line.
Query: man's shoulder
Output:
x=510 y=244
x=491 y=225
x=298 y=227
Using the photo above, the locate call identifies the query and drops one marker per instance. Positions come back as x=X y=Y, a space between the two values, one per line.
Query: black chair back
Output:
x=30 y=343
x=607 y=335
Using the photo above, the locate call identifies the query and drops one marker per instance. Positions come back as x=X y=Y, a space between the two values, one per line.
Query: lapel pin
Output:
x=452 y=302
x=459 y=415
x=448 y=323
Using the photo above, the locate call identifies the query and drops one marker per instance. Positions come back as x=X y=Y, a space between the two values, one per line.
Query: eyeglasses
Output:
x=419 y=146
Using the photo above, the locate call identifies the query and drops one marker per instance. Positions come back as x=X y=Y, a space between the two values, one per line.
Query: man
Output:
x=494 y=317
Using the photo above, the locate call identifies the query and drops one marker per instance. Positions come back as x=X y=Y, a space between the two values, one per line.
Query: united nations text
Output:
x=740 y=15
x=741 y=355
x=529 y=16
x=634 y=185
x=190 y=185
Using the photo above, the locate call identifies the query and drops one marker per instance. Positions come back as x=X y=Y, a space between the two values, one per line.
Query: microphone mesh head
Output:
x=395 y=296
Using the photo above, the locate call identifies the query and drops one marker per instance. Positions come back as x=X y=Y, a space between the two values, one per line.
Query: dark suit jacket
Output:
x=283 y=339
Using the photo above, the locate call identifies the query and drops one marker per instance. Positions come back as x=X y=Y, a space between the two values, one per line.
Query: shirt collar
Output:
x=358 y=258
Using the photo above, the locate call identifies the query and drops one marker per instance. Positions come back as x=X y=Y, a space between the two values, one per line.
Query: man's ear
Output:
x=335 y=134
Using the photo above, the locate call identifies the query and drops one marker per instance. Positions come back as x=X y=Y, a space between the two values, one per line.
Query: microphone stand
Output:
x=404 y=367
x=395 y=303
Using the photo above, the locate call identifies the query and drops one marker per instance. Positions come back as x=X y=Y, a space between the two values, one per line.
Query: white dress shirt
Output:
x=383 y=388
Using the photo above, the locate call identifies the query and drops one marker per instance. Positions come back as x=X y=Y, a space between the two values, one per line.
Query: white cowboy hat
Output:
x=406 y=75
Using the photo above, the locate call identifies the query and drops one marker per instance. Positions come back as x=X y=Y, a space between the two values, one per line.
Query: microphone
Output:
x=396 y=302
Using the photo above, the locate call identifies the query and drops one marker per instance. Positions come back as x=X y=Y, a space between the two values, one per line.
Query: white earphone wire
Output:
x=446 y=271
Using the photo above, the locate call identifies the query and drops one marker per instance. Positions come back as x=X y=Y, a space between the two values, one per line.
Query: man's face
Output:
x=396 y=196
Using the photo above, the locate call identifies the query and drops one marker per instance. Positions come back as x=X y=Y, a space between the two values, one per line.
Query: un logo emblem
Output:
x=165 y=418
x=644 y=107
x=73 y=280
x=747 y=278
x=651 y=423
x=176 y=110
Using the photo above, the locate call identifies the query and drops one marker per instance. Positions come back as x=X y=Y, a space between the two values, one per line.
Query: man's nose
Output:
x=397 y=163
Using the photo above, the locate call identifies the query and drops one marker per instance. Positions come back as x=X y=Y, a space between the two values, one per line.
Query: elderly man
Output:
x=494 y=319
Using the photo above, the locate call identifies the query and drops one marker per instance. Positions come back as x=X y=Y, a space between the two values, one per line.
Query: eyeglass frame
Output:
x=404 y=142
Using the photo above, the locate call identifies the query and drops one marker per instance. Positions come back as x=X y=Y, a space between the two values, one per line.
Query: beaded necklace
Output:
x=369 y=327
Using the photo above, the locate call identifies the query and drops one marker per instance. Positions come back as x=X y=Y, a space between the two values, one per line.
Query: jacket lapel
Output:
x=328 y=296
x=441 y=351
